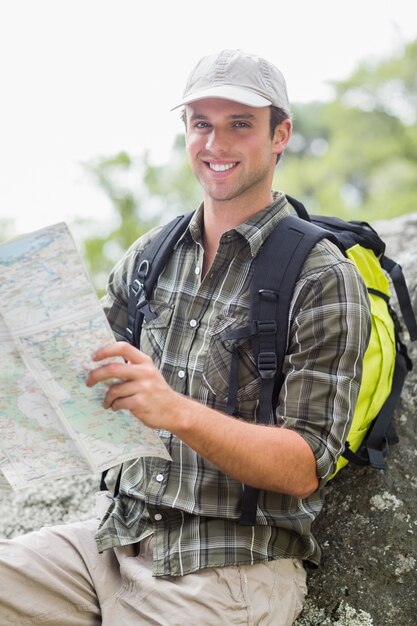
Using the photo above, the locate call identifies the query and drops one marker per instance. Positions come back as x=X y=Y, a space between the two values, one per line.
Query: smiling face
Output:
x=231 y=151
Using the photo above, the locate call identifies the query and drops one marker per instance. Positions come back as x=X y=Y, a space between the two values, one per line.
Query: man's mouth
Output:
x=221 y=167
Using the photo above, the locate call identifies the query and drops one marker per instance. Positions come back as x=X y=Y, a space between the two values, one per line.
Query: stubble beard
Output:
x=239 y=189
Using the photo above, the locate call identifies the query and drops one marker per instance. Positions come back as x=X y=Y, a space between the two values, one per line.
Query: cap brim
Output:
x=226 y=92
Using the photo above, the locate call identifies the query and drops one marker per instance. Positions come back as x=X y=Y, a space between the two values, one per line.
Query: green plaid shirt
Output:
x=188 y=504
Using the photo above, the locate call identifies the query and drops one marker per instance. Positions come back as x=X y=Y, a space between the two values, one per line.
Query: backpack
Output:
x=276 y=271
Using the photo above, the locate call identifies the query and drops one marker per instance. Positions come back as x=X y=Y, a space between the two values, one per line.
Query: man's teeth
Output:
x=221 y=167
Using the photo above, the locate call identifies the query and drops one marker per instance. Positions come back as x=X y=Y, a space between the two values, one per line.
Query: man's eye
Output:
x=241 y=125
x=201 y=125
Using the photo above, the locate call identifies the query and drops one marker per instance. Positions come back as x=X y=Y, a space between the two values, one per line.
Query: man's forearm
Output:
x=266 y=457
x=271 y=458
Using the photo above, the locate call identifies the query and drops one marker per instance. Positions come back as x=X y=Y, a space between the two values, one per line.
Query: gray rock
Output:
x=367 y=530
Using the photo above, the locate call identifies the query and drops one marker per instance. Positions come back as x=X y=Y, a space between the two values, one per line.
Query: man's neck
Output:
x=221 y=216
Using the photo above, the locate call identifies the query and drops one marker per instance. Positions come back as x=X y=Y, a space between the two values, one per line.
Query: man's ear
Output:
x=282 y=136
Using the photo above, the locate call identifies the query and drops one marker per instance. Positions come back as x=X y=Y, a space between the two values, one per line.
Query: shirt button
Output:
x=160 y=478
x=181 y=374
x=197 y=270
x=158 y=517
x=193 y=323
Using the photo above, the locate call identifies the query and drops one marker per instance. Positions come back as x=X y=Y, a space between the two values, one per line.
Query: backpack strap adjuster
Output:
x=267 y=364
x=136 y=286
x=139 y=283
x=143 y=269
x=266 y=329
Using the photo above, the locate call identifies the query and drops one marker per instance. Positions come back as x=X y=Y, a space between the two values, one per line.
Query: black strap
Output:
x=350 y=233
x=299 y=208
x=276 y=271
x=382 y=432
x=103 y=484
x=149 y=266
x=403 y=295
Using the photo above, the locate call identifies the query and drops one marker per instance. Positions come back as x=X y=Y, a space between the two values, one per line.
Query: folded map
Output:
x=51 y=322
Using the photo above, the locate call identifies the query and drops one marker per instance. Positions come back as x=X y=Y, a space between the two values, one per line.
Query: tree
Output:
x=357 y=155
x=174 y=186
x=165 y=192
x=118 y=176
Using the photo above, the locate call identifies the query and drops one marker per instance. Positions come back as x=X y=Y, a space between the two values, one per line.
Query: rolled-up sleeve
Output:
x=328 y=336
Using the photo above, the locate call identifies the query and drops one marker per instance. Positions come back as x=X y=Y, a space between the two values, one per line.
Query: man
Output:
x=170 y=548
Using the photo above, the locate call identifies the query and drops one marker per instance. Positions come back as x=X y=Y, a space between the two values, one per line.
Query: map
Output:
x=51 y=322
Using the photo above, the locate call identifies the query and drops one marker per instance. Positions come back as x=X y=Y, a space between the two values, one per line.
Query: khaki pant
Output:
x=56 y=577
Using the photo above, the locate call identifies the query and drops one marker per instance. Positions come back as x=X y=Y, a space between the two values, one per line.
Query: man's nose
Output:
x=217 y=141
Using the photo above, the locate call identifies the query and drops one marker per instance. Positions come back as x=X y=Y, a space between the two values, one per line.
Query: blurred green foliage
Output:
x=103 y=244
x=142 y=195
x=354 y=156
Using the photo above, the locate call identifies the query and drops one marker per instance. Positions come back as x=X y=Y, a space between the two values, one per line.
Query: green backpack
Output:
x=386 y=361
x=276 y=270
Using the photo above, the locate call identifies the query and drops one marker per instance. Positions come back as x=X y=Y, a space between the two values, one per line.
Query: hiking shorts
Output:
x=56 y=577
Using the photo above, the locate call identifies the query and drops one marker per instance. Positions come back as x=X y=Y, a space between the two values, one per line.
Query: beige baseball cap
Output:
x=239 y=76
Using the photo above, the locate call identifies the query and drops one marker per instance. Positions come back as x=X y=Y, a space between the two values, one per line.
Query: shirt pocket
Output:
x=218 y=366
x=155 y=331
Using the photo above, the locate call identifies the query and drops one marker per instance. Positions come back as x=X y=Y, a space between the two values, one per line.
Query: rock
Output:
x=368 y=527
x=54 y=502
x=367 y=530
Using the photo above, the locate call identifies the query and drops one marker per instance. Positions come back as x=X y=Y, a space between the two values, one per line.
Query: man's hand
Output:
x=141 y=388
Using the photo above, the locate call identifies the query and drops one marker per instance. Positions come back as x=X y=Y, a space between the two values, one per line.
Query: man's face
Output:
x=230 y=148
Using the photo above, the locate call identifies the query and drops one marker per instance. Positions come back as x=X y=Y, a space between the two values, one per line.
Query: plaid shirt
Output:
x=188 y=504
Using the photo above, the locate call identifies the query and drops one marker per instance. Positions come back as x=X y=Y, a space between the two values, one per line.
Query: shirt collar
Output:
x=255 y=230
x=258 y=227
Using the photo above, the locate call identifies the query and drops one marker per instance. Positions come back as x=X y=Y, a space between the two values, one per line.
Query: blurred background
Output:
x=87 y=135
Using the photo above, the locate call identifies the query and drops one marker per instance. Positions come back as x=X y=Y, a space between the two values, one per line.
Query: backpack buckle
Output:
x=267 y=364
x=139 y=283
x=136 y=286
x=268 y=327
x=267 y=359
x=143 y=269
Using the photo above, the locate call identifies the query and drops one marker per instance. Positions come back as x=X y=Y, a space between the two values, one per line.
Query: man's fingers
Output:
x=111 y=371
x=118 y=392
x=122 y=349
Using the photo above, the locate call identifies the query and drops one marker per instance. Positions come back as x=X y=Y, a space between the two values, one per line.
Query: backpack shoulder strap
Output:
x=395 y=272
x=277 y=269
x=351 y=233
x=149 y=266
x=299 y=208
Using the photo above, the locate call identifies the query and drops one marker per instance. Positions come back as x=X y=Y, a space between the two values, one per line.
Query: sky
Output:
x=82 y=79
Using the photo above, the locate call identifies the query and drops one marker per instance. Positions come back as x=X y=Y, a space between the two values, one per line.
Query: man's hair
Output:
x=277 y=116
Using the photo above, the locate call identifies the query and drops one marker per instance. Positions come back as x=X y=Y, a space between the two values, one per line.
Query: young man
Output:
x=170 y=549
